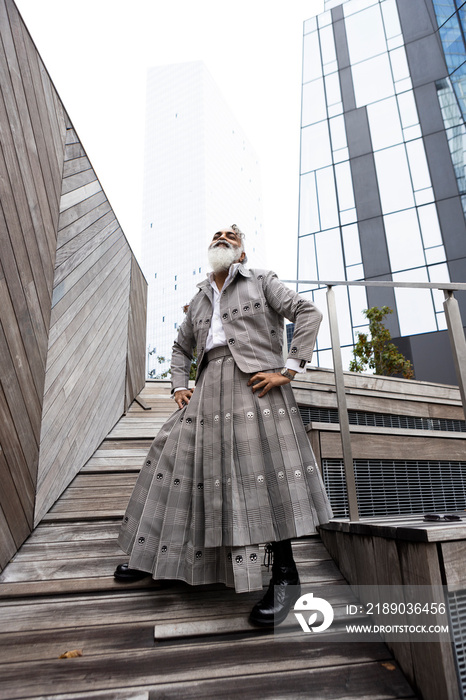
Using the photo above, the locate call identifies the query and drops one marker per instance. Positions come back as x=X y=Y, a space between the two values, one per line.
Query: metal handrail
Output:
x=457 y=342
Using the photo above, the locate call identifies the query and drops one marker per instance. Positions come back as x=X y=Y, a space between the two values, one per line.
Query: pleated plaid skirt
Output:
x=227 y=472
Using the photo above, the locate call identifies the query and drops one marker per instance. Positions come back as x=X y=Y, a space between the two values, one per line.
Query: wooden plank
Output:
x=63 y=346
x=90 y=281
x=26 y=433
x=18 y=108
x=8 y=545
x=84 y=256
x=27 y=308
x=279 y=661
x=51 y=172
x=433 y=663
x=392 y=447
x=72 y=198
x=77 y=165
x=82 y=343
x=67 y=218
x=80 y=224
x=77 y=180
x=29 y=383
x=453 y=554
x=88 y=358
x=11 y=505
x=137 y=320
x=19 y=224
x=100 y=219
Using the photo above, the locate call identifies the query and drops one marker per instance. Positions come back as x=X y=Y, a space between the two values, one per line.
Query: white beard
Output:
x=221 y=257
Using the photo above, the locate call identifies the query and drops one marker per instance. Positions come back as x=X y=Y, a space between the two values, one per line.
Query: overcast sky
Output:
x=98 y=51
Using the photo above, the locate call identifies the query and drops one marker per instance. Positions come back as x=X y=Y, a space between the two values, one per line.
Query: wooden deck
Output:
x=58 y=595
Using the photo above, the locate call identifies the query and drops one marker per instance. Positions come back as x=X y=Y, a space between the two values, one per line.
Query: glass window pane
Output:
x=403 y=85
x=412 y=132
x=307 y=259
x=327 y=44
x=344 y=185
x=399 y=64
x=418 y=164
x=320 y=300
x=327 y=198
x=404 y=240
x=372 y=80
x=390 y=18
x=329 y=255
x=333 y=110
x=358 y=302
x=435 y=255
x=424 y=196
x=348 y=216
x=351 y=244
x=439 y=273
x=441 y=322
x=314 y=107
x=338 y=133
x=324 y=18
x=357 y=5
x=365 y=33
x=310 y=25
x=315 y=147
x=340 y=155
x=384 y=123
x=394 y=179
x=325 y=357
x=430 y=228
x=408 y=110
x=312 y=65
x=308 y=206
x=344 y=316
x=415 y=306
x=332 y=89
x=395 y=42
x=355 y=272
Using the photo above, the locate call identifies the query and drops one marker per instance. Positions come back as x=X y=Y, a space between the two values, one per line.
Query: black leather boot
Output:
x=126 y=575
x=283 y=591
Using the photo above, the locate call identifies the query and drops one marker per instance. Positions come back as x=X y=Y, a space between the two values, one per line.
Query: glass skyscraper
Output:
x=200 y=174
x=382 y=178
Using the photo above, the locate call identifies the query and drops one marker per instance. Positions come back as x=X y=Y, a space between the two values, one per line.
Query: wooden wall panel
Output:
x=86 y=369
x=32 y=142
x=71 y=327
x=136 y=362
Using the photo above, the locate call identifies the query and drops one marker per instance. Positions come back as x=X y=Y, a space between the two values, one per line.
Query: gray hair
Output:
x=240 y=235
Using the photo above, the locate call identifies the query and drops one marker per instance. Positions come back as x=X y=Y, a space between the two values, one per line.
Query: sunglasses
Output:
x=435 y=517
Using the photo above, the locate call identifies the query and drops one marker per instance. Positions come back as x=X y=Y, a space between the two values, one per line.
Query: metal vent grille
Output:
x=393 y=487
x=382 y=420
x=457 y=606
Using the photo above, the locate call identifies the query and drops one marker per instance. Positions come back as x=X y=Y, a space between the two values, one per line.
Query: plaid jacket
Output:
x=252 y=308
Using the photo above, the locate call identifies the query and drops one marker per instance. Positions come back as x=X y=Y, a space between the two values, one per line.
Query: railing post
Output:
x=342 y=406
x=457 y=341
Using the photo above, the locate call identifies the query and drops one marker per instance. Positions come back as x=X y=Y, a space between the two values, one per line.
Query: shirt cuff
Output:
x=179 y=388
x=294 y=364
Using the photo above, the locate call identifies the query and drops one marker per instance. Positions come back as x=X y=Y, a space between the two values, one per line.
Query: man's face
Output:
x=227 y=238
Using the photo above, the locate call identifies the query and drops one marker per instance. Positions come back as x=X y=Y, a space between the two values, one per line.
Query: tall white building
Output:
x=200 y=174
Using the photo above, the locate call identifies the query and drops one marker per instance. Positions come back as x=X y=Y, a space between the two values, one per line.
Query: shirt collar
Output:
x=233 y=271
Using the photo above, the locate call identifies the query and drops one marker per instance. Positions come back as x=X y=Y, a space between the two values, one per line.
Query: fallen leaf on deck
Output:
x=389 y=666
x=71 y=654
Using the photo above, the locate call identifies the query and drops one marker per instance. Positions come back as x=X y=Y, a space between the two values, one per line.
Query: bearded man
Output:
x=232 y=467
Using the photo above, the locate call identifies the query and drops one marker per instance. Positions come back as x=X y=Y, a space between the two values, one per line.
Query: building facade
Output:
x=382 y=181
x=200 y=174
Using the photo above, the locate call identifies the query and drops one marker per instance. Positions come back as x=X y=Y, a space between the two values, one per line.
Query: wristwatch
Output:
x=286 y=373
